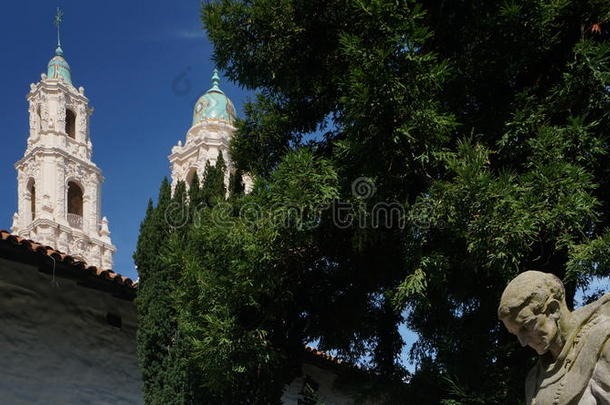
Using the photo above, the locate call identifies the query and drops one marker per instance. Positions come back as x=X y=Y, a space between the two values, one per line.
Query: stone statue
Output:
x=574 y=348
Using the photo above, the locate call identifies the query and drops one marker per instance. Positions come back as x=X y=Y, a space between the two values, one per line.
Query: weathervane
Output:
x=57 y=21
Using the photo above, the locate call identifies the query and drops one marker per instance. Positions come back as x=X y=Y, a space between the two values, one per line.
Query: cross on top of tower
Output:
x=58 y=19
x=58 y=67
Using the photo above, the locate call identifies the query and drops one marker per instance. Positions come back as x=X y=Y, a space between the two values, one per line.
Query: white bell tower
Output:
x=59 y=187
x=209 y=135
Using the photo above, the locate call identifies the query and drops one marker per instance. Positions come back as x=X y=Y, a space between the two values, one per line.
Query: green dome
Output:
x=59 y=68
x=214 y=105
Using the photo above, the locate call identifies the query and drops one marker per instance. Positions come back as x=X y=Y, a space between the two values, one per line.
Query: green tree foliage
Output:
x=488 y=121
x=162 y=352
x=156 y=331
x=214 y=182
x=236 y=184
x=195 y=197
x=242 y=290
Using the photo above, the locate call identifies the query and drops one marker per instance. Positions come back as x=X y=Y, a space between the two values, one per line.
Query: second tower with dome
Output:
x=210 y=134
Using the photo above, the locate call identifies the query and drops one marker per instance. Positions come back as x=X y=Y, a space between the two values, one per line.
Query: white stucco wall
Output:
x=327 y=391
x=56 y=346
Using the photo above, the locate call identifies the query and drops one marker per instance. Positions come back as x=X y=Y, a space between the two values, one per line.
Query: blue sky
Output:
x=142 y=66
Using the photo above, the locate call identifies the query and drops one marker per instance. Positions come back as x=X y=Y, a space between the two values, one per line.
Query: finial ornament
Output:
x=215 y=80
x=59 y=17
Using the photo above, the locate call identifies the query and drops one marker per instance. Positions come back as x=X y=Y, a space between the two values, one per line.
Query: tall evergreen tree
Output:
x=195 y=192
x=236 y=185
x=214 y=181
x=164 y=348
x=488 y=121
x=161 y=355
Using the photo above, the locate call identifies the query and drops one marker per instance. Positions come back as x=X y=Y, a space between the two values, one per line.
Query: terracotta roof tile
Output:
x=324 y=355
x=67 y=259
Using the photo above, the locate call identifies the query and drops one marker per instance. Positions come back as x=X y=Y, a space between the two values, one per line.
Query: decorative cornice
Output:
x=57 y=86
x=194 y=145
x=50 y=150
x=67 y=229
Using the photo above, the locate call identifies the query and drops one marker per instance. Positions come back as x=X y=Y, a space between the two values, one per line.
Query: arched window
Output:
x=70 y=123
x=75 y=205
x=75 y=199
x=32 y=193
x=190 y=176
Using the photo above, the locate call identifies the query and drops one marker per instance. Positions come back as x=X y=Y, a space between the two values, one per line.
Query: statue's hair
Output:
x=530 y=287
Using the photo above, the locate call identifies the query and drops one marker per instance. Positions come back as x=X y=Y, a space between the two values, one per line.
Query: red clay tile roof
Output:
x=63 y=258
x=327 y=360
x=323 y=355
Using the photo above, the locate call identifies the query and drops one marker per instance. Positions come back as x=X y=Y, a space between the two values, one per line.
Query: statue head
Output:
x=531 y=308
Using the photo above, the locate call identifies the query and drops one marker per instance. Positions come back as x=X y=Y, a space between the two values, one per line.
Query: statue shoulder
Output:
x=600 y=306
x=604 y=304
x=594 y=338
